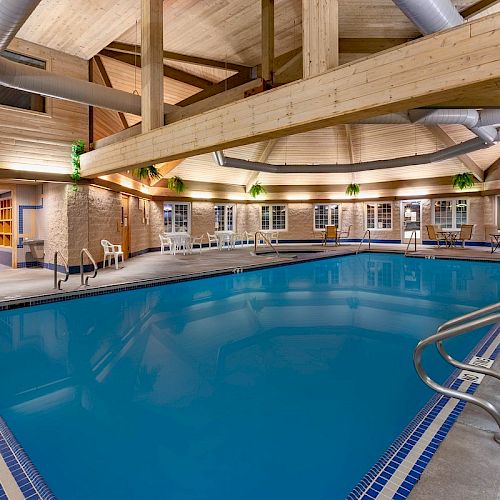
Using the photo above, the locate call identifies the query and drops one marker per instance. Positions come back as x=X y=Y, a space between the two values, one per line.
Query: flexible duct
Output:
x=404 y=161
x=13 y=14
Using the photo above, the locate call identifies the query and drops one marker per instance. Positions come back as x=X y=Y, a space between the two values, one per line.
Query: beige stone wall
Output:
x=139 y=216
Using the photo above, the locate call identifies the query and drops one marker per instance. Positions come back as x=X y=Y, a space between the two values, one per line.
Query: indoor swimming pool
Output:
x=283 y=383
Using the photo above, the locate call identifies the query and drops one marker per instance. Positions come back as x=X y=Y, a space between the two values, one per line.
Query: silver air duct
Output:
x=13 y=14
x=405 y=161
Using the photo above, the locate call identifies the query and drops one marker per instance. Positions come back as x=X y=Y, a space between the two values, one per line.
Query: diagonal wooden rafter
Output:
x=493 y=171
x=477 y=7
x=266 y=153
x=107 y=82
x=164 y=169
x=350 y=146
x=169 y=72
x=466 y=160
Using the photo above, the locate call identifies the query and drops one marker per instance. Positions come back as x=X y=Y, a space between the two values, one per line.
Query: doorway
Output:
x=411 y=217
x=125 y=227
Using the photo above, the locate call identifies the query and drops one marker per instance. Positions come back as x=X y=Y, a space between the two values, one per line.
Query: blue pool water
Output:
x=285 y=383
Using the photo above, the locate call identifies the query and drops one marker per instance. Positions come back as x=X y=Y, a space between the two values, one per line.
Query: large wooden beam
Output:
x=267 y=36
x=128 y=48
x=152 y=64
x=435 y=68
x=466 y=160
x=477 y=7
x=320 y=36
x=165 y=169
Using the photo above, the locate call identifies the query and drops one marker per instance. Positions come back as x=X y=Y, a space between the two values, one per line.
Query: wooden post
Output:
x=152 y=64
x=320 y=36
x=267 y=40
x=91 y=108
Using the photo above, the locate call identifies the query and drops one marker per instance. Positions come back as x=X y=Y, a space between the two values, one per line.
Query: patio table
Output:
x=449 y=237
x=179 y=241
x=224 y=237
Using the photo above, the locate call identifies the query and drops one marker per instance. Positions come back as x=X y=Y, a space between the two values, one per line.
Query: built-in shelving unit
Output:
x=6 y=223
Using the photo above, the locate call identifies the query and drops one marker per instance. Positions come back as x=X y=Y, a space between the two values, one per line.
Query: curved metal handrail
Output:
x=57 y=283
x=85 y=280
x=367 y=232
x=458 y=326
x=413 y=233
x=266 y=239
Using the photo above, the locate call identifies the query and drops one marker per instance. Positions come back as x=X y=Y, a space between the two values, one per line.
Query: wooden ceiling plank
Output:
x=433 y=69
x=168 y=71
x=477 y=8
x=466 y=160
x=266 y=153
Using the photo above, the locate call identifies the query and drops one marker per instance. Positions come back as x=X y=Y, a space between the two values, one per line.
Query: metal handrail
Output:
x=57 y=283
x=367 y=232
x=266 y=239
x=458 y=326
x=413 y=233
x=85 y=280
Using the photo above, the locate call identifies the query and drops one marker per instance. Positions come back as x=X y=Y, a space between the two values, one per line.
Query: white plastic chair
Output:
x=212 y=238
x=164 y=242
x=196 y=241
x=248 y=237
x=111 y=252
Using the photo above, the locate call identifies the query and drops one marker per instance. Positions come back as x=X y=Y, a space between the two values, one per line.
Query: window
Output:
x=450 y=214
x=273 y=217
x=177 y=217
x=224 y=217
x=19 y=98
x=378 y=216
x=326 y=215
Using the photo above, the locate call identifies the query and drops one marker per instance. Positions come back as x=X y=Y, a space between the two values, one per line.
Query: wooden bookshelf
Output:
x=6 y=223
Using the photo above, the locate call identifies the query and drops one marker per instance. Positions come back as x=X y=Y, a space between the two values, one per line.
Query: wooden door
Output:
x=125 y=227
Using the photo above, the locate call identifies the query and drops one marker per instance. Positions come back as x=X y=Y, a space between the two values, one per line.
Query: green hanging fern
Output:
x=256 y=190
x=176 y=184
x=463 y=181
x=352 y=189
x=149 y=172
x=77 y=149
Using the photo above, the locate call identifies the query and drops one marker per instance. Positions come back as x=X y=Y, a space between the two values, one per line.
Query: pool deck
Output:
x=467 y=464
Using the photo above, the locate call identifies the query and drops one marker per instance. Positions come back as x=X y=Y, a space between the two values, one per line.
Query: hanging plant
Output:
x=463 y=181
x=149 y=172
x=257 y=189
x=176 y=184
x=352 y=189
x=77 y=149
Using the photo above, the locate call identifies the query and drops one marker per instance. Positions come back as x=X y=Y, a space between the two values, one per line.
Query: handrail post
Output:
x=266 y=239
x=57 y=283
x=55 y=270
x=85 y=281
x=367 y=232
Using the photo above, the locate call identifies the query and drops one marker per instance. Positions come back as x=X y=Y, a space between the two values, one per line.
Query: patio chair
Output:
x=165 y=242
x=111 y=252
x=212 y=238
x=433 y=235
x=196 y=241
x=331 y=233
x=465 y=233
x=248 y=237
x=344 y=235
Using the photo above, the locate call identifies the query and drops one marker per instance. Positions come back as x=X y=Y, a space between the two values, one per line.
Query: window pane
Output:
x=19 y=98
x=334 y=215
x=167 y=217
x=443 y=215
x=181 y=218
x=265 y=218
x=279 y=217
x=219 y=217
x=461 y=212
x=230 y=218
x=370 y=216
x=320 y=216
x=384 y=219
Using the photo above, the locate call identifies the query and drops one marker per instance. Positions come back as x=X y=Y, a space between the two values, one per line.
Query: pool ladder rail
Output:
x=84 y=280
x=58 y=282
x=414 y=238
x=264 y=238
x=483 y=317
x=367 y=232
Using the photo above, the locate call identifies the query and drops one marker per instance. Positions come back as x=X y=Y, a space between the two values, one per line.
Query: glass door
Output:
x=411 y=212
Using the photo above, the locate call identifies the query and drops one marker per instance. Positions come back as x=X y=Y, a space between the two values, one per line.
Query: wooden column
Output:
x=320 y=36
x=152 y=64
x=268 y=40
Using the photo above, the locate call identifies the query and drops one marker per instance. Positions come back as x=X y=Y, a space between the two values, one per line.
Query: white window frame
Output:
x=454 y=202
x=376 y=204
x=329 y=223
x=226 y=206
x=271 y=205
x=173 y=203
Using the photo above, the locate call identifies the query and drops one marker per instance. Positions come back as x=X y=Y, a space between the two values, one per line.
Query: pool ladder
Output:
x=483 y=317
x=367 y=232
x=58 y=282
x=84 y=280
x=264 y=238
x=414 y=238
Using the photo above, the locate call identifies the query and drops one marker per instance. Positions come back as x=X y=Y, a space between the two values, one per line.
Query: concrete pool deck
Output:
x=467 y=464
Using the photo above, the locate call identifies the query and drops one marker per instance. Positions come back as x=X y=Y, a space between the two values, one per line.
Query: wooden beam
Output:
x=152 y=64
x=165 y=169
x=350 y=146
x=175 y=56
x=267 y=37
x=369 y=45
x=477 y=7
x=266 y=153
x=492 y=173
x=91 y=108
x=466 y=160
x=489 y=99
x=107 y=82
x=169 y=72
x=320 y=36
x=435 y=68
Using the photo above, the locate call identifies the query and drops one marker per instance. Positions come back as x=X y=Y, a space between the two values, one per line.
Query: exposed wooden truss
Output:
x=436 y=68
x=266 y=153
x=466 y=160
x=267 y=24
x=350 y=145
x=478 y=7
x=164 y=169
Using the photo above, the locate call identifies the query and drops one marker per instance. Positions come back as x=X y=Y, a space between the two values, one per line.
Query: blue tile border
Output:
x=20 y=221
x=26 y=475
x=372 y=484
